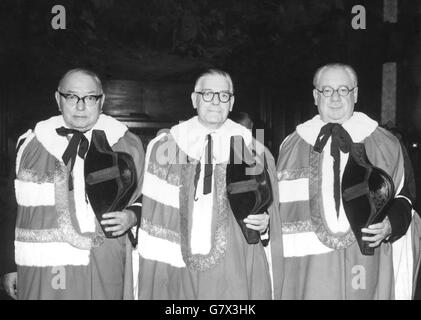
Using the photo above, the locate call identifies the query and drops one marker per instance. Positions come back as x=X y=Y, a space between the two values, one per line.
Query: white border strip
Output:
x=160 y=190
x=30 y=194
x=403 y=264
x=303 y=244
x=153 y=248
x=293 y=190
x=44 y=254
x=28 y=135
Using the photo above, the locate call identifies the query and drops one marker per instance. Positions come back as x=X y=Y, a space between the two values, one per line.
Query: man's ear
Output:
x=355 y=92
x=232 y=103
x=102 y=101
x=316 y=96
x=57 y=97
x=194 y=99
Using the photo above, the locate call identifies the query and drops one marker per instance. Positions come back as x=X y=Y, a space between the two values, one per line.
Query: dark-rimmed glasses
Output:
x=208 y=96
x=73 y=99
x=343 y=91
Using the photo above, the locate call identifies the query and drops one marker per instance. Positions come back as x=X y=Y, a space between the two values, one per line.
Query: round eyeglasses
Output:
x=208 y=96
x=72 y=99
x=343 y=91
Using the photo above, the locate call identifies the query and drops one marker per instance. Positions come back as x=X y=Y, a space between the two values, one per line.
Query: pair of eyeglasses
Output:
x=73 y=99
x=208 y=96
x=343 y=91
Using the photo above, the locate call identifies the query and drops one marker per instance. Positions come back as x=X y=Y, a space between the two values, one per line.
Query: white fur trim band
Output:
x=403 y=264
x=359 y=127
x=28 y=136
x=56 y=145
x=31 y=194
x=157 y=249
x=303 y=244
x=293 y=190
x=333 y=222
x=160 y=190
x=44 y=254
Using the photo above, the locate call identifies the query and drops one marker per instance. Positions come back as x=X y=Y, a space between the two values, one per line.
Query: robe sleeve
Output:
x=275 y=245
x=400 y=212
x=132 y=145
x=384 y=150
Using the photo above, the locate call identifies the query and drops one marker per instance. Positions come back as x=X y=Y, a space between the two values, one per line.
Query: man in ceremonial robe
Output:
x=322 y=257
x=60 y=249
x=190 y=244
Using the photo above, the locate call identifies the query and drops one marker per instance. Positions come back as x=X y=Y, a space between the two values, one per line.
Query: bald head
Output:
x=347 y=68
x=79 y=71
x=213 y=73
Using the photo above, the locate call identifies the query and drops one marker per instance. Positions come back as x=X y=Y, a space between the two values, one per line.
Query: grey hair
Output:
x=350 y=70
x=214 y=72
x=87 y=72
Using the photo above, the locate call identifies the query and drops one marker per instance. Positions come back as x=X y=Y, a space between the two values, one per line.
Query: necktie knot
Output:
x=340 y=138
x=63 y=131
x=78 y=145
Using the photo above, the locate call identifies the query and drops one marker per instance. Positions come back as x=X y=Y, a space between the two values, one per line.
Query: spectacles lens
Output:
x=224 y=96
x=327 y=92
x=207 y=96
x=343 y=91
x=72 y=99
x=90 y=100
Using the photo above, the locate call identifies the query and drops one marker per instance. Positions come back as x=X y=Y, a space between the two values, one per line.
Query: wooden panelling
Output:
x=159 y=101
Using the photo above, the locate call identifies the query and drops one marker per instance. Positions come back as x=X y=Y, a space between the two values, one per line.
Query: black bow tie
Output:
x=341 y=141
x=78 y=145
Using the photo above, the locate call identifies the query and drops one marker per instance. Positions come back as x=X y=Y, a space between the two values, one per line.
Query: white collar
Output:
x=359 y=127
x=190 y=136
x=45 y=131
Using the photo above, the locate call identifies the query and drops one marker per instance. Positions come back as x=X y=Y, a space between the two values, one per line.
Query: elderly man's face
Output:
x=214 y=113
x=337 y=108
x=79 y=116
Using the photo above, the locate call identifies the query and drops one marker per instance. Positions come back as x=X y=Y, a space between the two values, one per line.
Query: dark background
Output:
x=149 y=52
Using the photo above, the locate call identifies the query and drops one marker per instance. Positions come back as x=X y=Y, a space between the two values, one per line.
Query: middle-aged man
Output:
x=61 y=251
x=190 y=244
x=322 y=256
